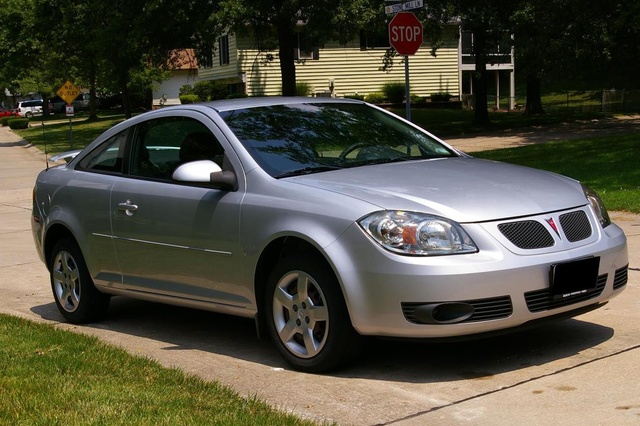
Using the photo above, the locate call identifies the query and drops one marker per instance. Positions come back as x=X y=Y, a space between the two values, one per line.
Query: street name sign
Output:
x=401 y=7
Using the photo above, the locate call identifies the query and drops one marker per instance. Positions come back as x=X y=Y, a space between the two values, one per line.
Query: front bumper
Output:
x=393 y=295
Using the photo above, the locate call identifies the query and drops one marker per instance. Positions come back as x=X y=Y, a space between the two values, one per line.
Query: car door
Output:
x=88 y=193
x=172 y=239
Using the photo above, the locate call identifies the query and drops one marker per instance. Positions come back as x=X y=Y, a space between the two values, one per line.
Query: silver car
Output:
x=324 y=220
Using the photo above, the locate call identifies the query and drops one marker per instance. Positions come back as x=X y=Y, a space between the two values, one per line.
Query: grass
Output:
x=447 y=123
x=54 y=132
x=55 y=377
x=609 y=165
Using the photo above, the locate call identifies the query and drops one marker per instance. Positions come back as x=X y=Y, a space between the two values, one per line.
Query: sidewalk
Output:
x=577 y=372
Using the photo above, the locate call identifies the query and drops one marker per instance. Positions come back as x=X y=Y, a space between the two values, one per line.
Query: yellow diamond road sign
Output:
x=68 y=92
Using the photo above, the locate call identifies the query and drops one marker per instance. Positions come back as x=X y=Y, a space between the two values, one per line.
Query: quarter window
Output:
x=108 y=156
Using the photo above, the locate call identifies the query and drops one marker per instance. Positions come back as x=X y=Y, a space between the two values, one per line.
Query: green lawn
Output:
x=609 y=165
x=54 y=377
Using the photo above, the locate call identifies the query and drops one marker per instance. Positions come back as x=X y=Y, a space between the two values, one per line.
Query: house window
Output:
x=378 y=39
x=305 y=48
x=205 y=56
x=223 y=49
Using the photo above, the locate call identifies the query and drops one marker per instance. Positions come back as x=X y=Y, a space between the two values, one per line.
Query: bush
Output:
x=210 y=90
x=441 y=97
x=237 y=95
x=189 y=99
x=394 y=91
x=355 y=96
x=185 y=89
x=375 y=98
x=303 y=88
x=19 y=123
x=5 y=120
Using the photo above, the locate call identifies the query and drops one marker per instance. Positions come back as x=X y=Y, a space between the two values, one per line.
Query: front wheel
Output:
x=75 y=295
x=307 y=317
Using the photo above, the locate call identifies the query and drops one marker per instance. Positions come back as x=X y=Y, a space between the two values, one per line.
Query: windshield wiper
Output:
x=307 y=171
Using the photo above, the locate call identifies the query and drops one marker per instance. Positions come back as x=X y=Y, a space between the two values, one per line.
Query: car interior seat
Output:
x=200 y=146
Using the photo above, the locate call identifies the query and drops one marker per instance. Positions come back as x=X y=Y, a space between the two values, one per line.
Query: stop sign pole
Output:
x=405 y=36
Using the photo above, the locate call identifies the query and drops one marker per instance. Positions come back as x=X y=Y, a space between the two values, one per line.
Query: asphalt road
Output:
x=582 y=371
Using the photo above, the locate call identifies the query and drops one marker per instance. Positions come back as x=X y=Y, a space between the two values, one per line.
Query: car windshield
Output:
x=295 y=139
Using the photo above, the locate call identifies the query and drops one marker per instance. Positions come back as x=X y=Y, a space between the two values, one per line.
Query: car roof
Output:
x=241 y=103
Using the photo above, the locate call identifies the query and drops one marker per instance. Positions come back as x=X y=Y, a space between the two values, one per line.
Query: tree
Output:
x=277 y=24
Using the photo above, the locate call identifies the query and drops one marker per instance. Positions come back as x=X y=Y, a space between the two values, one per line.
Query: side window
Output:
x=161 y=145
x=108 y=156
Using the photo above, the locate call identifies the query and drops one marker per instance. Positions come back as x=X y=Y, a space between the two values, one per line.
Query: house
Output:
x=184 y=70
x=353 y=68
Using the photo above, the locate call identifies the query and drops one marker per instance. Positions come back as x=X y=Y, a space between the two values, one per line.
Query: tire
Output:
x=307 y=317
x=75 y=295
x=28 y=114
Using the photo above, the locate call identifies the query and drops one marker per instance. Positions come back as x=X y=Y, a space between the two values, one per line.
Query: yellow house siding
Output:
x=228 y=71
x=350 y=69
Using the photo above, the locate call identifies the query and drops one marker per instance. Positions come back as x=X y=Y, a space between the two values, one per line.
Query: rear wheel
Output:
x=75 y=295
x=307 y=317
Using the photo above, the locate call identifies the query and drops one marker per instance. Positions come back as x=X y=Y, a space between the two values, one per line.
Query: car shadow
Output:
x=386 y=360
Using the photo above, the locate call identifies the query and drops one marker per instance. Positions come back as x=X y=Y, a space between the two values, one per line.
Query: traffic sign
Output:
x=68 y=92
x=405 y=33
x=395 y=8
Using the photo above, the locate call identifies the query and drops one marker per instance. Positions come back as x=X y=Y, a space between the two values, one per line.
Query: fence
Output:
x=607 y=100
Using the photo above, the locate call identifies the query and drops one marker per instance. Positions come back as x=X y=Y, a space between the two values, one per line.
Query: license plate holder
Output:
x=574 y=278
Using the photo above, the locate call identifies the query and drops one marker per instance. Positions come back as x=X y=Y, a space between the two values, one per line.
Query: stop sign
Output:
x=405 y=33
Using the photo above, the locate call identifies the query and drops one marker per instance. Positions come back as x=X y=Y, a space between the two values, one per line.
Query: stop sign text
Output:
x=405 y=33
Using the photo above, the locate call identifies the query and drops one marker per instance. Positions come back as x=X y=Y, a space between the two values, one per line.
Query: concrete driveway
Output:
x=582 y=371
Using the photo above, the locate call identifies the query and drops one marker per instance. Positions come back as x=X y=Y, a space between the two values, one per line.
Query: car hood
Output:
x=462 y=189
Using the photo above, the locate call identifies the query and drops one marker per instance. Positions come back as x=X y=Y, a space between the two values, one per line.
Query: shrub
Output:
x=394 y=91
x=303 y=88
x=356 y=96
x=185 y=89
x=237 y=95
x=5 y=120
x=19 y=123
x=189 y=99
x=374 y=98
x=441 y=97
x=210 y=90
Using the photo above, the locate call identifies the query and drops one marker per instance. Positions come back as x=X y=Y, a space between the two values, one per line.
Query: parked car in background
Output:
x=29 y=108
x=324 y=220
x=80 y=103
x=7 y=113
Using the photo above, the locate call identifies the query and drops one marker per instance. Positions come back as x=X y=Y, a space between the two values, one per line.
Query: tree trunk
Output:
x=93 y=113
x=286 y=38
x=126 y=98
x=480 y=109
x=534 y=95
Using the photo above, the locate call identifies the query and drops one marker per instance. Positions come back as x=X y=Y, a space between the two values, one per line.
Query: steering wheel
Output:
x=348 y=150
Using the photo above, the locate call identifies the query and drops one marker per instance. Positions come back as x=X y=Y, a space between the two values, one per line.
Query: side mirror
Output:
x=206 y=172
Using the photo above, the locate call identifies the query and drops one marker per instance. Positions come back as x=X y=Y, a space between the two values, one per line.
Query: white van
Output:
x=29 y=108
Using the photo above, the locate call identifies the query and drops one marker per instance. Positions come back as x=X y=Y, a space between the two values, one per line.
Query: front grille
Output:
x=527 y=234
x=541 y=300
x=620 y=277
x=576 y=226
x=484 y=309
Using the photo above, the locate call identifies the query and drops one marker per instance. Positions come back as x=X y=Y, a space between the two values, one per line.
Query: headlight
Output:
x=597 y=206
x=417 y=233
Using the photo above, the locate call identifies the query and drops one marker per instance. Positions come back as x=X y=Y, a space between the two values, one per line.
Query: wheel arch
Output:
x=54 y=234
x=275 y=251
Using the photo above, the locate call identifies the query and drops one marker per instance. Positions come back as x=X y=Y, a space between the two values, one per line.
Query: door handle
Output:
x=127 y=207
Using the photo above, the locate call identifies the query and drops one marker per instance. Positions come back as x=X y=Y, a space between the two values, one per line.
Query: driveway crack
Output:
x=523 y=382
